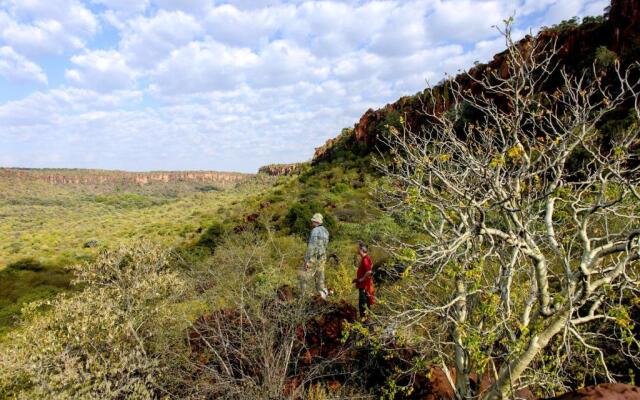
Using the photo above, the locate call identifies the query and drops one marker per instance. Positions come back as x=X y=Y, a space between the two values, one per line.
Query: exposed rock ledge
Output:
x=97 y=177
x=281 y=169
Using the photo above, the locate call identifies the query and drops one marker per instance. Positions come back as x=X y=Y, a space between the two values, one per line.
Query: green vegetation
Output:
x=51 y=223
x=212 y=236
x=52 y=227
x=25 y=281
x=47 y=228
x=605 y=57
x=123 y=327
x=575 y=23
x=298 y=216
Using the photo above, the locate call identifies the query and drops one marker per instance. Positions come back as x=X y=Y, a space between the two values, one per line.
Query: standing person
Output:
x=364 y=280
x=315 y=257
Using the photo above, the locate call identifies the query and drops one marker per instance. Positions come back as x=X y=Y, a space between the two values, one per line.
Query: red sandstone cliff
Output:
x=624 y=18
x=99 y=177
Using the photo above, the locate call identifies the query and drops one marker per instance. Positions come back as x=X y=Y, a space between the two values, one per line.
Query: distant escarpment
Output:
x=578 y=45
x=100 y=177
x=281 y=169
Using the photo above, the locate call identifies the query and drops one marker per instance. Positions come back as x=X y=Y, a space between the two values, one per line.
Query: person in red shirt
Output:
x=364 y=280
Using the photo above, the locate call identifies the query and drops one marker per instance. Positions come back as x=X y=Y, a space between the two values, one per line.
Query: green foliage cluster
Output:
x=118 y=338
x=212 y=236
x=575 y=23
x=565 y=25
x=28 y=280
x=129 y=200
x=298 y=219
x=604 y=57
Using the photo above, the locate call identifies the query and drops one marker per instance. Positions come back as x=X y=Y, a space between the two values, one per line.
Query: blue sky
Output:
x=226 y=85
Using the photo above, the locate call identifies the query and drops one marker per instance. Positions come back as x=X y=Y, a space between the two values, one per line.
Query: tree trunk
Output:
x=462 y=359
x=511 y=371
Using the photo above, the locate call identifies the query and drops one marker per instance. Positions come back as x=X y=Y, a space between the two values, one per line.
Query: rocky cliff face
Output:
x=624 y=18
x=281 y=169
x=620 y=32
x=100 y=177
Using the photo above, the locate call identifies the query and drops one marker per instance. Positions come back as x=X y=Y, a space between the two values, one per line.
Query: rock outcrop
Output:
x=281 y=169
x=624 y=18
x=101 y=177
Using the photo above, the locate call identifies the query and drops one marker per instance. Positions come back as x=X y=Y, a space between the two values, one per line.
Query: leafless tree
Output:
x=528 y=220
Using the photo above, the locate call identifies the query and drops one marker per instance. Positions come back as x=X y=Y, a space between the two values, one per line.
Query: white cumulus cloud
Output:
x=189 y=6
x=148 y=40
x=201 y=67
x=230 y=25
x=14 y=66
x=38 y=27
x=101 y=70
x=222 y=84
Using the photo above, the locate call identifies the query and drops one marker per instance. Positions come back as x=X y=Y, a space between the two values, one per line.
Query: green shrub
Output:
x=310 y=180
x=310 y=194
x=605 y=57
x=25 y=281
x=566 y=24
x=27 y=264
x=212 y=236
x=128 y=200
x=598 y=19
x=298 y=218
x=339 y=188
x=393 y=118
x=275 y=198
x=352 y=215
x=208 y=188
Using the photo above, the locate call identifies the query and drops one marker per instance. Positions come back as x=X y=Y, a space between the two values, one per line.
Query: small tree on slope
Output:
x=518 y=252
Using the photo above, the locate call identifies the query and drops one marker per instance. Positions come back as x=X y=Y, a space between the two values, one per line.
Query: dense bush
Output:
x=298 y=218
x=27 y=264
x=128 y=200
x=565 y=25
x=28 y=280
x=115 y=339
x=212 y=236
x=605 y=57
x=339 y=188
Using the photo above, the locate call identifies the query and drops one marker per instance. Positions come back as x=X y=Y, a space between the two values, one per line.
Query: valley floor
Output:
x=46 y=228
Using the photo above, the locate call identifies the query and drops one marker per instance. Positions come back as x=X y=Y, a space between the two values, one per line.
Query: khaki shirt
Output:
x=318 y=241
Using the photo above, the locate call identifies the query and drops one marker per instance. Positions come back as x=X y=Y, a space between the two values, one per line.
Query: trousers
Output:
x=315 y=274
x=363 y=302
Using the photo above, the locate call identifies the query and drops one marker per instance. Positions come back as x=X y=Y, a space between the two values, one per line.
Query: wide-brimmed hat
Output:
x=317 y=218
